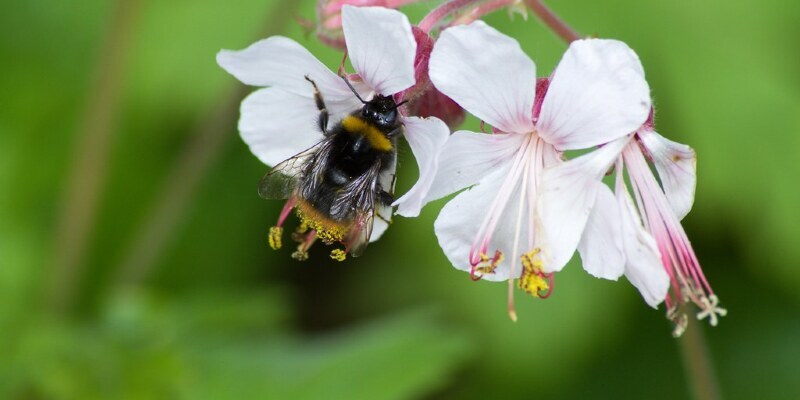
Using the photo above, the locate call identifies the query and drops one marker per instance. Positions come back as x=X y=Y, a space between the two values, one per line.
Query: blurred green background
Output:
x=170 y=290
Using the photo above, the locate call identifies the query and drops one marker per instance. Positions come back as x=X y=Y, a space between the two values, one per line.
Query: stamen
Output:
x=287 y=208
x=679 y=319
x=302 y=249
x=338 y=254
x=512 y=313
x=299 y=234
x=534 y=281
x=489 y=223
x=300 y=254
x=485 y=265
x=688 y=283
x=275 y=233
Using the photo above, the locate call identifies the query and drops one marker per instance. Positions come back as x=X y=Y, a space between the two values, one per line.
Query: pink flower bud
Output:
x=329 y=17
x=424 y=99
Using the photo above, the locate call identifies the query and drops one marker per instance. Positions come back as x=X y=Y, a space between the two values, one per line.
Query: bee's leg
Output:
x=395 y=132
x=385 y=198
x=323 y=110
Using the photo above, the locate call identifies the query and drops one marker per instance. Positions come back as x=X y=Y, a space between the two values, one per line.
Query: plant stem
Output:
x=79 y=206
x=556 y=24
x=482 y=10
x=181 y=182
x=434 y=17
x=697 y=363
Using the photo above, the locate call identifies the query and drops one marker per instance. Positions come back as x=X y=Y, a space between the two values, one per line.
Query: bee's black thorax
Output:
x=361 y=143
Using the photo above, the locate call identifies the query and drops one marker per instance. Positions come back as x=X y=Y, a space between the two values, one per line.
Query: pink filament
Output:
x=677 y=255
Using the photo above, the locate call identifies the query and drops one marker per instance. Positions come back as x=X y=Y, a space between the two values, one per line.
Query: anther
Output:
x=486 y=265
x=275 y=234
x=300 y=254
x=533 y=280
x=679 y=319
x=338 y=254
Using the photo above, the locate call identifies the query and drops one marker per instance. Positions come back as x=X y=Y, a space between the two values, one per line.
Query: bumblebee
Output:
x=341 y=184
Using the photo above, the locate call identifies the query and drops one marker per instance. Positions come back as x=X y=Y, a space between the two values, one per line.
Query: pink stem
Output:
x=481 y=10
x=434 y=17
x=553 y=21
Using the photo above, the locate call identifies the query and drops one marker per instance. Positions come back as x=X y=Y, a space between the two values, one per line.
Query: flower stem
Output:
x=482 y=10
x=556 y=24
x=697 y=363
x=78 y=209
x=434 y=17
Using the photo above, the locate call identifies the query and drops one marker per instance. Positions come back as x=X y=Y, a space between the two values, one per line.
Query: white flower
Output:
x=596 y=95
x=657 y=253
x=280 y=120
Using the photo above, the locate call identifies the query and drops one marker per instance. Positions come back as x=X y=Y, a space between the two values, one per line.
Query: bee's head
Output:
x=381 y=110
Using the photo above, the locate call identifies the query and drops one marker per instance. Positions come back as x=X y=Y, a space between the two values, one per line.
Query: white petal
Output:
x=459 y=221
x=601 y=245
x=281 y=62
x=378 y=228
x=383 y=214
x=487 y=73
x=277 y=124
x=467 y=157
x=381 y=47
x=643 y=266
x=597 y=94
x=567 y=193
x=676 y=164
x=427 y=137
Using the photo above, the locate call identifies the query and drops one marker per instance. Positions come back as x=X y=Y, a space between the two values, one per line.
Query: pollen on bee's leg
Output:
x=338 y=254
x=533 y=280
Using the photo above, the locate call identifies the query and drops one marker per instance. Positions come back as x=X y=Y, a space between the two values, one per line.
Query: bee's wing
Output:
x=281 y=181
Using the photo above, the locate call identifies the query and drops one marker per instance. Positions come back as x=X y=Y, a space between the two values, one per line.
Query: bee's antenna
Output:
x=401 y=103
x=353 y=89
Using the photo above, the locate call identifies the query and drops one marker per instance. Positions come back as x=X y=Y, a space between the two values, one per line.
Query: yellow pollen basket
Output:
x=275 y=234
x=489 y=265
x=328 y=230
x=375 y=137
x=532 y=280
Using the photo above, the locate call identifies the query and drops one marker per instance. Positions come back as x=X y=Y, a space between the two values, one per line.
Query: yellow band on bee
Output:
x=376 y=138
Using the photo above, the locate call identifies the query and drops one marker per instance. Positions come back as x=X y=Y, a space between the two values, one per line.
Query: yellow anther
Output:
x=338 y=254
x=275 y=233
x=532 y=280
x=489 y=265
